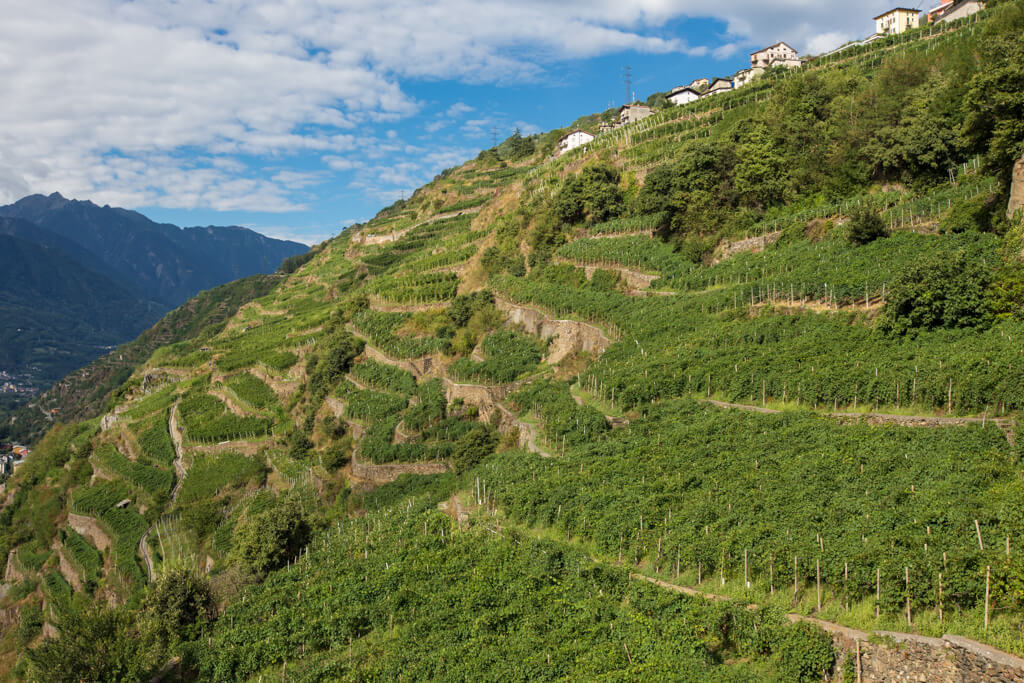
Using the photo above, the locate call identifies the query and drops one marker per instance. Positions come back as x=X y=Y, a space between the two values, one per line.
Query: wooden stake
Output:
x=940 y=597
x=906 y=573
x=846 y=583
x=878 y=591
x=858 y=661
x=817 y=567
x=771 y=574
x=795 y=585
x=977 y=527
x=988 y=573
x=746 y=577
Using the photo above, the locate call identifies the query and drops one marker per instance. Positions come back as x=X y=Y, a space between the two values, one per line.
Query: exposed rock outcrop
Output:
x=1016 y=189
x=570 y=336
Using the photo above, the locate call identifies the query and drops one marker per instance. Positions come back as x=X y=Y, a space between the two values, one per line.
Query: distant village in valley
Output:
x=11 y=455
x=778 y=56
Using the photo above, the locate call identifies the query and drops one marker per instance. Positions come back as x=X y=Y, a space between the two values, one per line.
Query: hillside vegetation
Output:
x=766 y=345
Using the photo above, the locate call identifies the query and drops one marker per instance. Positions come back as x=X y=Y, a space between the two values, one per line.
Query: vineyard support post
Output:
x=988 y=574
x=817 y=570
x=795 y=584
x=878 y=591
x=906 y=574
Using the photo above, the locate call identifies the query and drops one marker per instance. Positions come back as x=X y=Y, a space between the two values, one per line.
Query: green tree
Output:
x=592 y=195
x=473 y=446
x=98 y=644
x=994 y=105
x=866 y=226
x=179 y=607
x=268 y=539
x=939 y=292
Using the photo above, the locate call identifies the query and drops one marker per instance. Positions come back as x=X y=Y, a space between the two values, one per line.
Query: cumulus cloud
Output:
x=149 y=102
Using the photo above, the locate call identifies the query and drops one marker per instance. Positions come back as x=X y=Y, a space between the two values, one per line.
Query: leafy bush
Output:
x=804 y=653
x=593 y=195
x=266 y=540
x=939 y=292
x=866 y=226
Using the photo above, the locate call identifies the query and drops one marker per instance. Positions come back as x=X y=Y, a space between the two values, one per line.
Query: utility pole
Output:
x=627 y=78
x=494 y=136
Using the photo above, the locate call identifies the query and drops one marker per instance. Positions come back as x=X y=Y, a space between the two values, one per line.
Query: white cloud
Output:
x=149 y=102
x=458 y=109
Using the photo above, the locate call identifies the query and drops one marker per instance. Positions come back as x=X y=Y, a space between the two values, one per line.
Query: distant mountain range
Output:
x=77 y=278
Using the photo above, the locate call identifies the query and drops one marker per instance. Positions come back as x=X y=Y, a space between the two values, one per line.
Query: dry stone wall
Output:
x=890 y=657
x=570 y=336
x=382 y=474
x=754 y=244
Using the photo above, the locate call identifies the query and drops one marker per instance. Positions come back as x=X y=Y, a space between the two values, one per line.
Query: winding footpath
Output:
x=921 y=421
x=179 y=469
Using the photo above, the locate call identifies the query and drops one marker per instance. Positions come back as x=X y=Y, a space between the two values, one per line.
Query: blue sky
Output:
x=298 y=118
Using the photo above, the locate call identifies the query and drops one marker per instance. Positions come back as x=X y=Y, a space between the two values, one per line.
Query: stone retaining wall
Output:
x=754 y=244
x=570 y=336
x=897 y=657
x=382 y=474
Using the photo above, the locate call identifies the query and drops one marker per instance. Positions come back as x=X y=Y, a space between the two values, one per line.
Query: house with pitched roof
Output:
x=717 y=87
x=897 y=20
x=684 y=94
x=774 y=55
x=572 y=140
x=951 y=10
x=631 y=113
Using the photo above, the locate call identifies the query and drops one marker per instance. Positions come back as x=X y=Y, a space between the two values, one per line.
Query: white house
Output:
x=572 y=140
x=683 y=95
x=699 y=84
x=959 y=10
x=779 y=52
x=718 y=86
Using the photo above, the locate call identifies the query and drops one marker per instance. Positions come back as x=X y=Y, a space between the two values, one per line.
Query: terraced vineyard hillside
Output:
x=766 y=346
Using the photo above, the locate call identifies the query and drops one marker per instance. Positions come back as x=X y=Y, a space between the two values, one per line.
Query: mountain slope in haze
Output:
x=131 y=270
x=84 y=393
x=162 y=262
x=58 y=314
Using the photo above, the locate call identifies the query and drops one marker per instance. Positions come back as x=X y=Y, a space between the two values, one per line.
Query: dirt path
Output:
x=379 y=304
x=921 y=421
x=179 y=468
x=616 y=235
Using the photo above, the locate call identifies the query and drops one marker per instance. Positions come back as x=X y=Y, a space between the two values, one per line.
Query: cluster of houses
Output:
x=10 y=456
x=896 y=20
